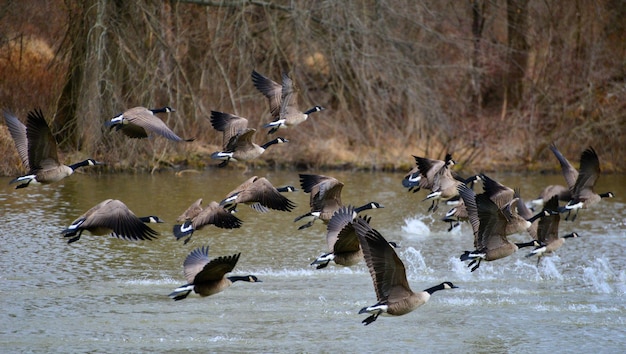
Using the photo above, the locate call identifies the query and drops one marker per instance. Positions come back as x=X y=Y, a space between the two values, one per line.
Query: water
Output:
x=102 y=294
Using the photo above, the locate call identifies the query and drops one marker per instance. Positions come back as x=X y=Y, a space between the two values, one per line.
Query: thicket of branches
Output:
x=493 y=82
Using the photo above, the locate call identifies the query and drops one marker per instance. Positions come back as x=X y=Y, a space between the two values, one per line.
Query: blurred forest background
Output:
x=494 y=82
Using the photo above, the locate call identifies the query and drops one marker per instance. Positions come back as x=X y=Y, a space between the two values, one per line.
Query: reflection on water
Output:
x=106 y=294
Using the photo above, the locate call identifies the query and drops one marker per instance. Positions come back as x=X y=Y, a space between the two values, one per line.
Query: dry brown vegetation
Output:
x=493 y=82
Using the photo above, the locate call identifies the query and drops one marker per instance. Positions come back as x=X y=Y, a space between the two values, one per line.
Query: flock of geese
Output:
x=494 y=214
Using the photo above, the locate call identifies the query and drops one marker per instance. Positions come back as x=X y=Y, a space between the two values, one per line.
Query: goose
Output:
x=563 y=193
x=583 y=195
x=260 y=195
x=195 y=218
x=325 y=199
x=283 y=102
x=343 y=244
x=113 y=217
x=137 y=122
x=207 y=277
x=38 y=150
x=489 y=224
x=423 y=174
x=444 y=186
x=237 y=140
x=548 y=232
x=507 y=201
x=393 y=293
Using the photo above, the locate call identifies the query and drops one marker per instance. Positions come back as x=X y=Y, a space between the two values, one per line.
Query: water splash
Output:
x=599 y=275
x=416 y=226
x=414 y=262
x=548 y=267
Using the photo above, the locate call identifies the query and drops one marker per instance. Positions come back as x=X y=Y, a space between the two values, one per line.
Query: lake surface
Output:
x=103 y=294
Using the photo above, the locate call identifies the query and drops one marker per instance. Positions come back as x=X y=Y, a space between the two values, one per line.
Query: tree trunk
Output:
x=517 y=24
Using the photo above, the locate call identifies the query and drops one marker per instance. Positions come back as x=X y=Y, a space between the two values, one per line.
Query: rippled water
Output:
x=103 y=294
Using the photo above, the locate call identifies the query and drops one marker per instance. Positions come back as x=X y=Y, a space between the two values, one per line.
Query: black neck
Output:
x=537 y=216
x=235 y=278
x=79 y=164
x=606 y=195
x=159 y=110
x=362 y=207
x=434 y=288
x=269 y=143
x=311 y=110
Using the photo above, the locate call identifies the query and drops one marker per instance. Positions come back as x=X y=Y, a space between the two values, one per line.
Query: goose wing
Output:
x=589 y=173
x=548 y=228
x=491 y=231
x=387 y=270
x=289 y=100
x=500 y=194
x=218 y=216
x=230 y=124
x=270 y=89
x=242 y=141
x=340 y=235
x=428 y=168
x=144 y=118
x=569 y=172
x=18 y=132
x=195 y=262
x=216 y=269
x=324 y=190
x=115 y=215
x=242 y=186
x=42 y=148
x=469 y=200
x=263 y=192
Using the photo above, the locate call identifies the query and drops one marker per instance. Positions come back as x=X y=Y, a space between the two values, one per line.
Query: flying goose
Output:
x=583 y=195
x=207 y=277
x=444 y=186
x=112 y=216
x=548 y=232
x=393 y=293
x=260 y=195
x=38 y=150
x=237 y=139
x=506 y=200
x=195 y=218
x=423 y=174
x=489 y=224
x=283 y=102
x=343 y=244
x=325 y=198
x=137 y=122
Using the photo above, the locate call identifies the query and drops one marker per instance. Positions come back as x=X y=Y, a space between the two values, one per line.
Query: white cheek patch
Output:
x=76 y=225
x=186 y=227
x=118 y=119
